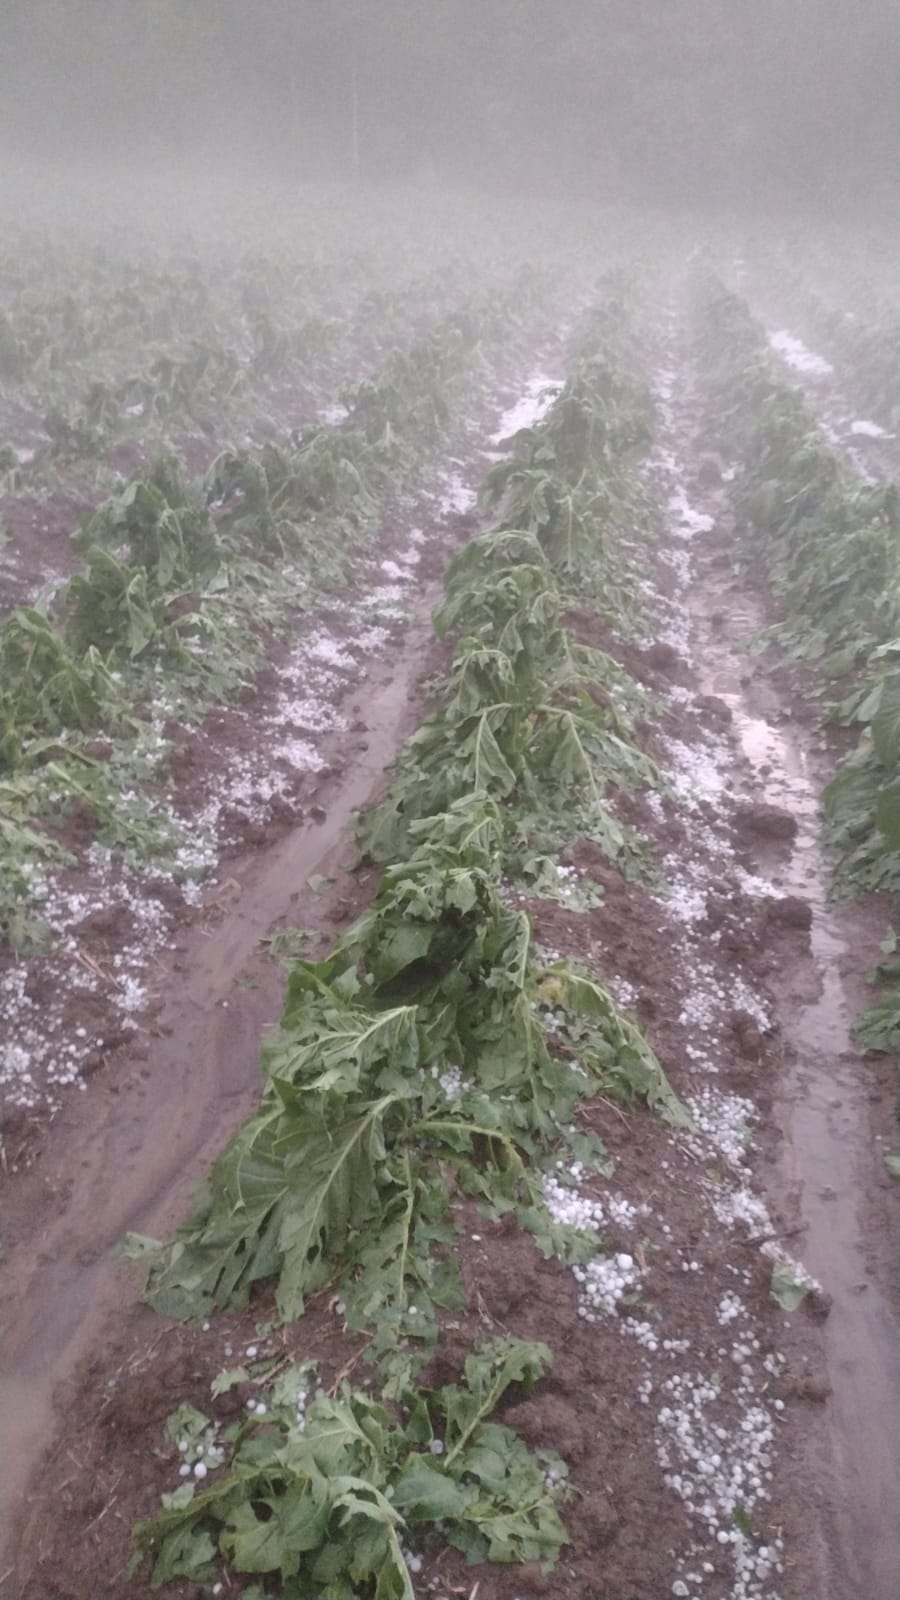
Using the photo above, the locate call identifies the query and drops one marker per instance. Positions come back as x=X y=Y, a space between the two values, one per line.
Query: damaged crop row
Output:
x=433 y=1061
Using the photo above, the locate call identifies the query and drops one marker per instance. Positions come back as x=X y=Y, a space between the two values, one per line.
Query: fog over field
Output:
x=722 y=103
x=449 y=799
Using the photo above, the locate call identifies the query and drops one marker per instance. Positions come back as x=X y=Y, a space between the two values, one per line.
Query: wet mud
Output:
x=831 y=1116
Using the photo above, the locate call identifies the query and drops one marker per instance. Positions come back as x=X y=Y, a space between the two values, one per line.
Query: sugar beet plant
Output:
x=182 y=342
x=423 y=1062
x=432 y=1062
x=828 y=539
x=327 y=1497
x=178 y=577
x=438 y=974
x=532 y=719
x=864 y=341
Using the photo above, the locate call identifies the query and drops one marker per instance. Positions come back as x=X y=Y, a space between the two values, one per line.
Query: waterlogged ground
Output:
x=710 y=1434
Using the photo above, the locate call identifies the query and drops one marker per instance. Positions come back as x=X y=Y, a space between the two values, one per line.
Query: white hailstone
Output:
x=569 y=1208
x=184 y=1470
x=251 y=1350
x=437 y=1447
x=200 y=1469
x=643 y=1332
x=680 y=1588
x=731 y=1307
x=603 y=1283
x=452 y=1083
x=260 y=1408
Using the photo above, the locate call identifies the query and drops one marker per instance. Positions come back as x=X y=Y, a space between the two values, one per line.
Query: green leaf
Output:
x=488 y=1374
x=609 y=1044
x=188 y=1552
x=887 y=816
x=331 y=1192
x=490 y=769
x=227 y=1379
x=789 y=1290
x=885 y=724
x=186 y=1423
x=427 y=1494
x=270 y=1534
x=511 y=1516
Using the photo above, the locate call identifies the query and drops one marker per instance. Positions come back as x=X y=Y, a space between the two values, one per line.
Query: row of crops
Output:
x=180 y=587
x=81 y=309
x=864 y=342
x=828 y=541
x=434 y=1062
x=444 y=1095
x=184 y=354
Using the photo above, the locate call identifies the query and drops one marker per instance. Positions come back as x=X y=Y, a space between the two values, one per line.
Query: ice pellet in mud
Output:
x=604 y=1283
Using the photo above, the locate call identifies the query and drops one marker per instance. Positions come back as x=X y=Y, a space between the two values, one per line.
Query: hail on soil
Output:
x=839 y=428
x=863 y=429
x=798 y=356
x=530 y=409
x=714 y=1420
x=41 y=1054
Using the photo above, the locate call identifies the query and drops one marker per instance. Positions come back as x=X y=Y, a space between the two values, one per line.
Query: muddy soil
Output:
x=834 y=1110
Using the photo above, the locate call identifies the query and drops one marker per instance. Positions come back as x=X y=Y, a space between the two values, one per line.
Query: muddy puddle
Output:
x=126 y=1159
x=829 y=1153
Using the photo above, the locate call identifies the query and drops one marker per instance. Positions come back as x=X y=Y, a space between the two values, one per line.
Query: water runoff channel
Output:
x=828 y=1149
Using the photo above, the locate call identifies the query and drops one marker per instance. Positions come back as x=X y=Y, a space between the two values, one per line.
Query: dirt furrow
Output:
x=832 y=1108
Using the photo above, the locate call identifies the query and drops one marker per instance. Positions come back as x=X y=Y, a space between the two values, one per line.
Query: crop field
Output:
x=449 y=849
